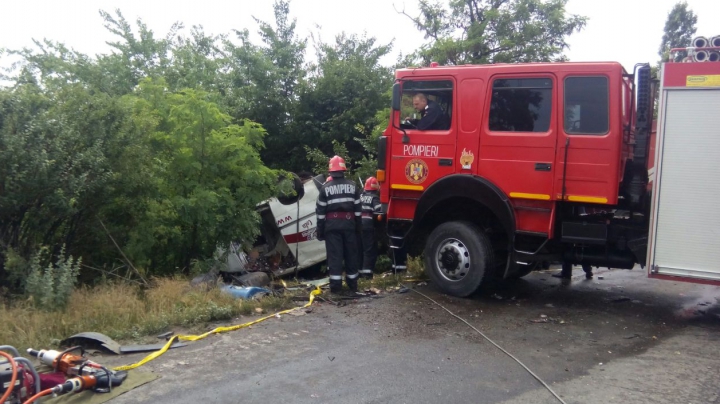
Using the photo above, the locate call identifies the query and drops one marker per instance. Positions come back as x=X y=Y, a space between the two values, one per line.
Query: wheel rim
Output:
x=453 y=260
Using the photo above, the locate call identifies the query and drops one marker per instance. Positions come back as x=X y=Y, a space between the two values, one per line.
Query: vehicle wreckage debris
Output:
x=96 y=340
x=259 y=279
x=545 y=319
x=245 y=292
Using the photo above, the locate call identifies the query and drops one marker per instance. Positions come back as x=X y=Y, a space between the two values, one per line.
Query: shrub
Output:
x=50 y=287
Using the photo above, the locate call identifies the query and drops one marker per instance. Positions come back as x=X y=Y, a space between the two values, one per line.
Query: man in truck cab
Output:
x=432 y=115
x=339 y=213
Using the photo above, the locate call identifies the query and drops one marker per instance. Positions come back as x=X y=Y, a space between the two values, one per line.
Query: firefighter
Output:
x=370 y=207
x=566 y=272
x=432 y=116
x=339 y=213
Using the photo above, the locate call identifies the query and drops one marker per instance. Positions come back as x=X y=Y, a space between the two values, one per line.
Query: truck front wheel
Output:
x=458 y=257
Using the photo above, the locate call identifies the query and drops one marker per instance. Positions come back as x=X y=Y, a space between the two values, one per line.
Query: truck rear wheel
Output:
x=524 y=269
x=458 y=257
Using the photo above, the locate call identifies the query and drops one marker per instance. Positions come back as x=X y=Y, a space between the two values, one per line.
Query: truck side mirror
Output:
x=396 y=97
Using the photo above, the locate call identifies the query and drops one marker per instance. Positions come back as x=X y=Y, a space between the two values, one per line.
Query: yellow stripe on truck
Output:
x=589 y=199
x=522 y=195
x=407 y=187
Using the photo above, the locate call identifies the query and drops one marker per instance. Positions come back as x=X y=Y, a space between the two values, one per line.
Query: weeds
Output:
x=123 y=312
x=50 y=288
x=415 y=271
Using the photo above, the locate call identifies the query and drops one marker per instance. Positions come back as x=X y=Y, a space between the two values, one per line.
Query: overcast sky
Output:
x=628 y=31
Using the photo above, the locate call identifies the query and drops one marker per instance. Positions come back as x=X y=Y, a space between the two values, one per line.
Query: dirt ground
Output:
x=618 y=338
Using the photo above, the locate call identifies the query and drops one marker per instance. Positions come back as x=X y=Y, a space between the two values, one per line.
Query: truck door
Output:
x=592 y=135
x=424 y=156
x=517 y=145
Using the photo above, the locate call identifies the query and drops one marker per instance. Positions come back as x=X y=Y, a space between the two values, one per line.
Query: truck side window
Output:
x=521 y=105
x=586 y=105
x=438 y=96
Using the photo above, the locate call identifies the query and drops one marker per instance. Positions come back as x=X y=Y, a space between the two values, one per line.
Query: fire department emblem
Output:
x=466 y=159
x=416 y=171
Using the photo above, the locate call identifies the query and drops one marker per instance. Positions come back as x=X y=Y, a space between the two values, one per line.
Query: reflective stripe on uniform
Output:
x=357 y=201
x=352 y=276
x=321 y=203
x=321 y=216
x=335 y=277
x=358 y=213
x=340 y=200
x=377 y=207
x=399 y=266
x=366 y=271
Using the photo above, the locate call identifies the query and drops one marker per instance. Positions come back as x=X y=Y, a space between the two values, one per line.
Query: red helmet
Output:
x=337 y=163
x=371 y=184
x=328 y=179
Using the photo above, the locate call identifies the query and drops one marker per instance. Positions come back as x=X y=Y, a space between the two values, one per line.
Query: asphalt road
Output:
x=620 y=339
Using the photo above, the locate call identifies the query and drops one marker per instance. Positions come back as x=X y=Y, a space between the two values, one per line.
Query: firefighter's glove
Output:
x=321 y=233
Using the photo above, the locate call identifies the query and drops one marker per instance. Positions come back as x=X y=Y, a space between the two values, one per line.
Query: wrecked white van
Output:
x=288 y=242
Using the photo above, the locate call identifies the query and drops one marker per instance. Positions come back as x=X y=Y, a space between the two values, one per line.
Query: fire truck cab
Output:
x=539 y=162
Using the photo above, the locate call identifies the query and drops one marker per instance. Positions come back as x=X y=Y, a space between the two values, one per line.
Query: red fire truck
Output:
x=554 y=162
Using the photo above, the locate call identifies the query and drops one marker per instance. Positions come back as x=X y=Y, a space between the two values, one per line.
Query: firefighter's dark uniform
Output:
x=370 y=206
x=339 y=213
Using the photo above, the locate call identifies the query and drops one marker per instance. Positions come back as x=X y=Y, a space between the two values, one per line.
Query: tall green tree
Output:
x=142 y=55
x=198 y=61
x=494 y=31
x=266 y=78
x=138 y=138
x=63 y=150
x=347 y=88
x=680 y=28
x=209 y=178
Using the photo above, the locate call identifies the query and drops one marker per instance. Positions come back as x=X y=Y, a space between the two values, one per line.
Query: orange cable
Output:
x=13 y=378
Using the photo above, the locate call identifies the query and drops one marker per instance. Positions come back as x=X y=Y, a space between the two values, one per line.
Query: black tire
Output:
x=449 y=243
x=523 y=270
x=298 y=190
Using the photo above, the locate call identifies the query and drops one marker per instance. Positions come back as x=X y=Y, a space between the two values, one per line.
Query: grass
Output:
x=124 y=312
x=415 y=271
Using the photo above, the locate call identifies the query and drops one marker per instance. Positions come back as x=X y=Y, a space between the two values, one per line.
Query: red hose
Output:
x=38 y=395
x=13 y=378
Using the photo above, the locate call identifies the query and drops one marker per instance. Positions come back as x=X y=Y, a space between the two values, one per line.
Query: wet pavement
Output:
x=620 y=339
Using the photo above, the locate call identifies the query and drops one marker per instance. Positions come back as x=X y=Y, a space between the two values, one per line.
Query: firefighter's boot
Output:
x=566 y=272
x=352 y=285
x=335 y=286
